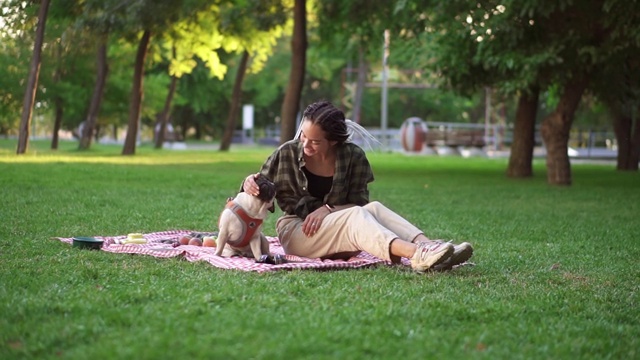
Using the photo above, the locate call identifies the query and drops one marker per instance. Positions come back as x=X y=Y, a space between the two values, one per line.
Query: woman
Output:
x=321 y=180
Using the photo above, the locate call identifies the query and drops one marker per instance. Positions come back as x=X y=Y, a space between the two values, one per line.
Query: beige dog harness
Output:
x=249 y=224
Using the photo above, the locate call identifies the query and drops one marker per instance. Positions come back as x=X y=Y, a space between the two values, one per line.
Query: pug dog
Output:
x=240 y=224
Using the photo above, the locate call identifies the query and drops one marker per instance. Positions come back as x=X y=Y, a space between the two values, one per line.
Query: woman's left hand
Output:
x=312 y=223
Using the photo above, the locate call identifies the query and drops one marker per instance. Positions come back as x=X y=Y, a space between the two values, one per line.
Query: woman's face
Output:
x=314 y=139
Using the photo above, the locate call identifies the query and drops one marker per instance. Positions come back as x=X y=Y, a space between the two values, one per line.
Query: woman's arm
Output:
x=360 y=175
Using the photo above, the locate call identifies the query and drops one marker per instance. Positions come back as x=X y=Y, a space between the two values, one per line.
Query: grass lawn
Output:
x=556 y=273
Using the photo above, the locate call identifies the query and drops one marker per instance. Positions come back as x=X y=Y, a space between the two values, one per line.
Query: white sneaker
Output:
x=430 y=254
x=461 y=253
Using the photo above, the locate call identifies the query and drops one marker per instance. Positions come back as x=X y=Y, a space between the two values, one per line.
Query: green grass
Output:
x=556 y=272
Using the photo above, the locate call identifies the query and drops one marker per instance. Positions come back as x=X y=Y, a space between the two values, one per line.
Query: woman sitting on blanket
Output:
x=321 y=179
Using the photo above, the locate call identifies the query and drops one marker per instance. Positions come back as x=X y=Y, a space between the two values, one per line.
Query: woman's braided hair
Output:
x=330 y=118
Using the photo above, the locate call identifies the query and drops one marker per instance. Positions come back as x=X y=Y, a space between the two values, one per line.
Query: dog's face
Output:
x=267 y=191
x=257 y=206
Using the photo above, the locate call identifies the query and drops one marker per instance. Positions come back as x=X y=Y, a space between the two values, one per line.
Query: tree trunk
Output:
x=360 y=85
x=136 y=96
x=102 y=69
x=165 y=115
x=521 y=157
x=58 y=104
x=57 y=123
x=628 y=139
x=634 y=152
x=32 y=81
x=555 y=132
x=236 y=99
x=166 y=111
x=291 y=103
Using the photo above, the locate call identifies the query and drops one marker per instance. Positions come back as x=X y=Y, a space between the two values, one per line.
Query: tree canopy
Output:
x=554 y=58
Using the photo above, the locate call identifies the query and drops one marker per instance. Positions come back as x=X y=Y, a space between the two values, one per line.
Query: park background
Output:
x=556 y=271
x=561 y=75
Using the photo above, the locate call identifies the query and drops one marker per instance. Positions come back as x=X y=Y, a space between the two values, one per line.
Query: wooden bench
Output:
x=455 y=138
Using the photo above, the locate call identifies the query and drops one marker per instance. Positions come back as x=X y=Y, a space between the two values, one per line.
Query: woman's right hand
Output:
x=249 y=186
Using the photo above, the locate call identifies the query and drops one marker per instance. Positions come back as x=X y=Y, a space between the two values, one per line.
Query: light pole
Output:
x=385 y=75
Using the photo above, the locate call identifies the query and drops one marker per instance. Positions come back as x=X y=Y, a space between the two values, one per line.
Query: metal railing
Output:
x=591 y=140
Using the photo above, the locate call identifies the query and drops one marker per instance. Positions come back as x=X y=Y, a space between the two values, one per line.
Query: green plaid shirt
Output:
x=284 y=168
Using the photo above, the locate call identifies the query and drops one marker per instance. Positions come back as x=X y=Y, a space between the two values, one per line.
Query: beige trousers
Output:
x=343 y=233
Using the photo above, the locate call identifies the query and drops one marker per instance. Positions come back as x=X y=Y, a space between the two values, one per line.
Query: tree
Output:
x=163 y=118
x=235 y=103
x=291 y=103
x=516 y=46
x=617 y=81
x=136 y=95
x=150 y=17
x=205 y=31
x=15 y=33
x=257 y=23
x=364 y=38
x=32 y=82
x=555 y=131
x=102 y=69
x=98 y=19
x=619 y=90
x=521 y=157
x=69 y=54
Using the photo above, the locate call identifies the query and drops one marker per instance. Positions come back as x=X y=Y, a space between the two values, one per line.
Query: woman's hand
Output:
x=312 y=223
x=249 y=186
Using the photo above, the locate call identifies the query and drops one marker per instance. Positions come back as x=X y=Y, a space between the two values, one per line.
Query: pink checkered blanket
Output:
x=157 y=245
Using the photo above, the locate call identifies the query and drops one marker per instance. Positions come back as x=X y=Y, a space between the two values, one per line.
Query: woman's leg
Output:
x=352 y=230
x=394 y=222
x=349 y=230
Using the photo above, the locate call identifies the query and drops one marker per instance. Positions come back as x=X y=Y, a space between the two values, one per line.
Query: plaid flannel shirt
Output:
x=352 y=174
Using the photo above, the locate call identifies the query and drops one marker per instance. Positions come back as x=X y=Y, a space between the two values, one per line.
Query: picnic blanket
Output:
x=159 y=244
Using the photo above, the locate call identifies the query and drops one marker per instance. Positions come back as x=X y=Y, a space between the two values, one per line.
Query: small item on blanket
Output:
x=184 y=240
x=194 y=238
x=277 y=259
x=209 y=241
x=85 y=242
x=201 y=235
x=133 y=238
x=168 y=241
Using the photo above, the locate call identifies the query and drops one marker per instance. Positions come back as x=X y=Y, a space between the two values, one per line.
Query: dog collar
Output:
x=249 y=224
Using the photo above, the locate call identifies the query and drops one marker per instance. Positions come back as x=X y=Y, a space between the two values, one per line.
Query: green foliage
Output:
x=256 y=25
x=156 y=86
x=555 y=277
x=15 y=22
x=512 y=45
x=11 y=91
x=350 y=25
x=523 y=43
x=266 y=88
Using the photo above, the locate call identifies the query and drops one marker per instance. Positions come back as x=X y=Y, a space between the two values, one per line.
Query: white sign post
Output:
x=247 y=122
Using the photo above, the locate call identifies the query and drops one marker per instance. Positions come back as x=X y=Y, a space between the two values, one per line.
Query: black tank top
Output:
x=319 y=186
